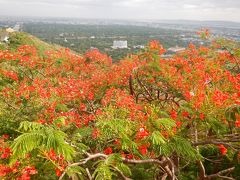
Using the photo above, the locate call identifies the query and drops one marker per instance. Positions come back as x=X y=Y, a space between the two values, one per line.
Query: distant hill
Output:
x=17 y=39
x=21 y=38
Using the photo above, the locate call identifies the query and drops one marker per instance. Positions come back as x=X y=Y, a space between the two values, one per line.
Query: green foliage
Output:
x=231 y=112
x=107 y=169
x=124 y=169
x=157 y=138
x=76 y=171
x=214 y=124
x=184 y=148
x=39 y=137
x=175 y=144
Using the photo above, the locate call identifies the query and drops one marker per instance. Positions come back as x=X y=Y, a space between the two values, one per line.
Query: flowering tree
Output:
x=143 y=118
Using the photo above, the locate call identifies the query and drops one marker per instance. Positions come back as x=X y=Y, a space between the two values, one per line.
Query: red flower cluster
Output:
x=143 y=149
x=108 y=150
x=156 y=46
x=237 y=123
x=6 y=152
x=142 y=133
x=222 y=149
x=26 y=172
x=219 y=97
x=58 y=160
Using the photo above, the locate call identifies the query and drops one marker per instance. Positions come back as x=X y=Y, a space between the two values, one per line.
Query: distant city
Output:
x=118 y=38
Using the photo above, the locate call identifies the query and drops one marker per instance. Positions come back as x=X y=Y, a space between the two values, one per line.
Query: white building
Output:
x=119 y=44
x=10 y=30
x=4 y=36
x=139 y=47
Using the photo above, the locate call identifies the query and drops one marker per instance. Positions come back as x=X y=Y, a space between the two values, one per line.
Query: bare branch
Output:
x=89 y=174
x=164 y=163
x=219 y=174
x=217 y=142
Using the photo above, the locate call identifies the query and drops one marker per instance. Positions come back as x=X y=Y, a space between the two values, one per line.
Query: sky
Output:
x=227 y=10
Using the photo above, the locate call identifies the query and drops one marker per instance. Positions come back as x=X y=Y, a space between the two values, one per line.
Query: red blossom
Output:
x=222 y=149
x=219 y=97
x=202 y=116
x=82 y=107
x=41 y=121
x=188 y=95
x=95 y=133
x=58 y=172
x=5 y=136
x=108 y=150
x=173 y=114
x=24 y=177
x=185 y=114
x=143 y=149
x=29 y=170
x=142 y=133
x=6 y=153
x=237 y=123
x=178 y=124
x=155 y=45
x=4 y=170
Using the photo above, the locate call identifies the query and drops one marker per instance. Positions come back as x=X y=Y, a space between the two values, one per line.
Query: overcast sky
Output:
x=125 y=9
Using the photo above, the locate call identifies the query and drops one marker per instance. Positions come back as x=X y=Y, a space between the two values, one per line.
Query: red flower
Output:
x=58 y=172
x=173 y=114
x=12 y=75
x=129 y=156
x=4 y=170
x=29 y=170
x=5 y=136
x=142 y=149
x=188 y=95
x=95 y=133
x=41 y=121
x=185 y=114
x=52 y=155
x=6 y=153
x=155 y=45
x=24 y=177
x=90 y=96
x=219 y=97
x=82 y=107
x=108 y=150
x=222 y=149
x=202 y=116
x=237 y=123
x=178 y=123
x=142 y=133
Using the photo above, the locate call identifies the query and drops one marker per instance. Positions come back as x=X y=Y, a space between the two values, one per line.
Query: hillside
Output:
x=70 y=116
x=17 y=39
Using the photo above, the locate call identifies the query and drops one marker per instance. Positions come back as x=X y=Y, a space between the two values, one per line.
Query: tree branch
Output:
x=217 y=142
x=218 y=175
x=164 y=163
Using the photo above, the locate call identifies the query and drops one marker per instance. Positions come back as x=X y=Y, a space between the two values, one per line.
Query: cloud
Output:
x=125 y=9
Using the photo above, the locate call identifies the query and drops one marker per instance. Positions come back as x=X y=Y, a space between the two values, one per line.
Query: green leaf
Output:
x=184 y=148
x=40 y=137
x=81 y=172
x=59 y=120
x=157 y=138
x=124 y=169
x=167 y=122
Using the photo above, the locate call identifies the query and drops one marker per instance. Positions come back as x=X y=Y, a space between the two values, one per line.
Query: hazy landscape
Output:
x=81 y=35
x=119 y=90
